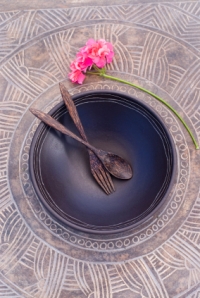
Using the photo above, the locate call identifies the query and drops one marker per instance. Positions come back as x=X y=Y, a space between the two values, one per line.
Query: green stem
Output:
x=93 y=73
x=158 y=98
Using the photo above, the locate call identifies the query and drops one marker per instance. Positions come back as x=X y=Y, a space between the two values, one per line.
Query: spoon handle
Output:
x=55 y=124
x=72 y=110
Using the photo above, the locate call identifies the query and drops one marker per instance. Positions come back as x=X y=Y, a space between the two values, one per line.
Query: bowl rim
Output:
x=96 y=231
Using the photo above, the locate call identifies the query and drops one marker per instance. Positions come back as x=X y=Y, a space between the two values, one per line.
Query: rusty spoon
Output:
x=115 y=165
x=98 y=170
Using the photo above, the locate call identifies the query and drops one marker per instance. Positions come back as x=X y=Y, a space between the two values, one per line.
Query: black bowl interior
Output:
x=60 y=168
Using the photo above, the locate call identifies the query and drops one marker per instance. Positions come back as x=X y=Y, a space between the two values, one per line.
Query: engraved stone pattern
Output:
x=157 y=45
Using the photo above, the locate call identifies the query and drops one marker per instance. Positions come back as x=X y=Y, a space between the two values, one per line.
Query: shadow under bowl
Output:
x=60 y=170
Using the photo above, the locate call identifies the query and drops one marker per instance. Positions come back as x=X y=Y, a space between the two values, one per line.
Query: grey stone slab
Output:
x=157 y=45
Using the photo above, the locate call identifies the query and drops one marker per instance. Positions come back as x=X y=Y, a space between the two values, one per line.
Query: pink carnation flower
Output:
x=97 y=52
x=100 y=51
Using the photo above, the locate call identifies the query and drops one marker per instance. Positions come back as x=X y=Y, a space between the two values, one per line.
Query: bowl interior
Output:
x=60 y=168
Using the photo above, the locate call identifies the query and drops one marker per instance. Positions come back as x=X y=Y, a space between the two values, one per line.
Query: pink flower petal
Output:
x=81 y=78
x=110 y=57
x=90 y=42
x=76 y=76
x=101 y=62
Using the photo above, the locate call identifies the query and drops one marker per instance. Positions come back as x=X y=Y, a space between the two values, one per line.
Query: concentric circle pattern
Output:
x=156 y=46
x=163 y=218
x=118 y=123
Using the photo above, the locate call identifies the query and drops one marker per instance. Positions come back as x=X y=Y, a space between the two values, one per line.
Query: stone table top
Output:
x=157 y=45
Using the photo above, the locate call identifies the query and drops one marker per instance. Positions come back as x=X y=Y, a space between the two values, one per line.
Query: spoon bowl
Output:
x=116 y=165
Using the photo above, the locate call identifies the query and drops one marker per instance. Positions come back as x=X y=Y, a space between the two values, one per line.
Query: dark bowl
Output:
x=60 y=171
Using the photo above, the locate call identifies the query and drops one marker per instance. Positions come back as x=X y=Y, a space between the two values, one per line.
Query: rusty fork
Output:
x=98 y=170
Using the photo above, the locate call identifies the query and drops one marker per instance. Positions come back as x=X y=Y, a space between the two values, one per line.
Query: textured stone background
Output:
x=157 y=45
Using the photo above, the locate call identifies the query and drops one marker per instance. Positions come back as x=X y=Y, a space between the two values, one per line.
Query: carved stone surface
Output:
x=157 y=45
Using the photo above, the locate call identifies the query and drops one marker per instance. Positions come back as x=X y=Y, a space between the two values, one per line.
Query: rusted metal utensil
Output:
x=98 y=170
x=115 y=165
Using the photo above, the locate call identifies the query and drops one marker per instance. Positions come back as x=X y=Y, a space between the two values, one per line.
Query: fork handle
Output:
x=72 y=110
x=46 y=118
